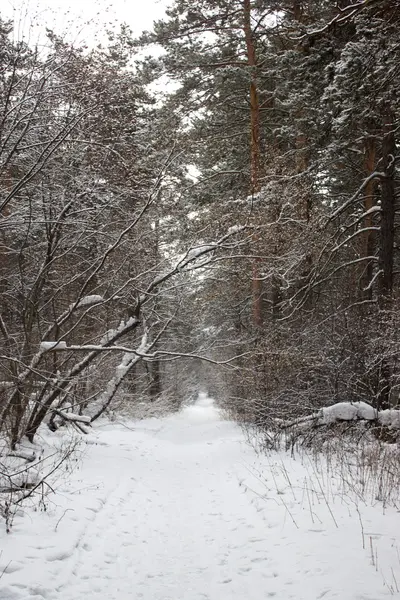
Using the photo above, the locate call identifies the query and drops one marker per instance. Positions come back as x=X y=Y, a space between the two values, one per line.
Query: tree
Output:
x=279 y=141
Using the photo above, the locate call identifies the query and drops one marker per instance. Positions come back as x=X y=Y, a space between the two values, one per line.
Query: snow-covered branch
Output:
x=350 y=201
x=346 y=412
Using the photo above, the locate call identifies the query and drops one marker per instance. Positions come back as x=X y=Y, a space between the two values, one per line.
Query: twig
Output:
x=62 y=516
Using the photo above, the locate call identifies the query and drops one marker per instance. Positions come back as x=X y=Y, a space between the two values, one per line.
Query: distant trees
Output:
x=64 y=216
x=294 y=106
x=86 y=172
x=279 y=140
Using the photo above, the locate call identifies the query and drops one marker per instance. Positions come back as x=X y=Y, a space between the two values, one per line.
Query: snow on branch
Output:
x=235 y=229
x=191 y=256
x=351 y=200
x=109 y=339
x=344 y=15
x=129 y=360
x=195 y=253
x=89 y=301
x=352 y=236
x=27 y=455
x=53 y=346
x=346 y=411
x=73 y=418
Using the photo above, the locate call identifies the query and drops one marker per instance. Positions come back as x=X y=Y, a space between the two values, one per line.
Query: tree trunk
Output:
x=388 y=198
x=297 y=10
x=302 y=163
x=368 y=239
x=254 y=101
x=255 y=150
x=155 y=385
x=77 y=369
x=386 y=251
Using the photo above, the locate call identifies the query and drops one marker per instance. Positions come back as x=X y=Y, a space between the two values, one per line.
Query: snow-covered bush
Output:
x=29 y=474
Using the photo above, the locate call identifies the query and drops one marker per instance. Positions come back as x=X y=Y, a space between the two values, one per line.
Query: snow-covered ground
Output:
x=182 y=508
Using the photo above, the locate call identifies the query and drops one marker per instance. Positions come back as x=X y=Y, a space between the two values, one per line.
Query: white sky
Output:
x=81 y=20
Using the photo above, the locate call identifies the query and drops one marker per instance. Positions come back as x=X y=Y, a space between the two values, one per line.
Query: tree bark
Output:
x=388 y=198
x=255 y=151
x=47 y=402
x=368 y=239
x=386 y=251
x=155 y=384
x=254 y=101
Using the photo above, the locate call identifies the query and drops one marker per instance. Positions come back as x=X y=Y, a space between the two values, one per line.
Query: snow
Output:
x=15 y=474
x=390 y=418
x=182 y=508
x=129 y=359
x=70 y=416
x=235 y=229
x=194 y=253
x=45 y=346
x=111 y=333
x=89 y=300
x=365 y=411
x=348 y=411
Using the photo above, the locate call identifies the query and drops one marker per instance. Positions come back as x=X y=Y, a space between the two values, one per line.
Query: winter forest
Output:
x=211 y=206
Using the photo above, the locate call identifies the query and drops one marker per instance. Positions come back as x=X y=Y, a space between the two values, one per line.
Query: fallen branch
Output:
x=346 y=412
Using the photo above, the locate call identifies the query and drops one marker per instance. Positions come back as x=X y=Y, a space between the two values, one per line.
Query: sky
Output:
x=81 y=20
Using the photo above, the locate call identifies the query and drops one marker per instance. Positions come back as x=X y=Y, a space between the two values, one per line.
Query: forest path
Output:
x=181 y=508
x=178 y=526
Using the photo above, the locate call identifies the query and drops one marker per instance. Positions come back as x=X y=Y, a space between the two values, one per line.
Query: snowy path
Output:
x=175 y=528
x=163 y=511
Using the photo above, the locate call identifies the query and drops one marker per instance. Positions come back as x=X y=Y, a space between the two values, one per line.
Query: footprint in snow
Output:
x=54 y=556
x=9 y=593
x=272 y=575
x=259 y=559
x=11 y=567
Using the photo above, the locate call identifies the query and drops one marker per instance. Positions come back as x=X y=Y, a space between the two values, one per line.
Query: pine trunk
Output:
x=368 y=240
x=386 y=252
x=255 y=151
x=388 y=198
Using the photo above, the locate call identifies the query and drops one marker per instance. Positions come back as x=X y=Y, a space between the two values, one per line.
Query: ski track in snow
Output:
x=174 y=509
